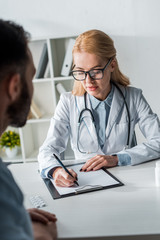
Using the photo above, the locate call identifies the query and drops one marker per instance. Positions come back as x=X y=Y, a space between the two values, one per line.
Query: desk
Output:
x=128 y=212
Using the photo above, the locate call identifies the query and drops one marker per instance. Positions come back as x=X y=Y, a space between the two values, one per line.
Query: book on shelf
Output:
x=67 y=63
x=60 y=88
x=35 y=112
x=42 y=62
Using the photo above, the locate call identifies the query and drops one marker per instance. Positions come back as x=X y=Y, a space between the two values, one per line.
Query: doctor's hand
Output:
x=98 y=162
x=63 y=179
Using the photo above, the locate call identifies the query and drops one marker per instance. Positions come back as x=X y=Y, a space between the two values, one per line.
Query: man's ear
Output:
x=14 y=86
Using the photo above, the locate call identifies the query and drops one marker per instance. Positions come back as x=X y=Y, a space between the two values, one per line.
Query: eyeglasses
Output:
x=95 y=74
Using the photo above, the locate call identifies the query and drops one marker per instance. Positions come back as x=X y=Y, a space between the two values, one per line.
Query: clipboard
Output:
x=89 y=181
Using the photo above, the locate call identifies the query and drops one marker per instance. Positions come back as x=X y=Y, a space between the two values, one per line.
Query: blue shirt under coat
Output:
x=101 y=110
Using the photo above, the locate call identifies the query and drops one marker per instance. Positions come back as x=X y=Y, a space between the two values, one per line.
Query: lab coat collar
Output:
x=95 y=102
x=116 y=106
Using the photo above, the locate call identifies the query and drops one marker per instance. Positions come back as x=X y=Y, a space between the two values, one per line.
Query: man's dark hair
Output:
x=13 y=49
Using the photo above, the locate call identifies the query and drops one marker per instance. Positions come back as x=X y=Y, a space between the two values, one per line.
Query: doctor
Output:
x=99 y=115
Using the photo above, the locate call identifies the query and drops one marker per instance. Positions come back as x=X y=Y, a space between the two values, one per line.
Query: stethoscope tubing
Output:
x=129 y=119
x=85 y=109
x=89 y=110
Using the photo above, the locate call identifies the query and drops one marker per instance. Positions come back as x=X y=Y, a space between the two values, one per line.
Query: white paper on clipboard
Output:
x=87 y=181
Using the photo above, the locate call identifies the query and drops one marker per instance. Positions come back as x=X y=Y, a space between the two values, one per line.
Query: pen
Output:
x=62 y=165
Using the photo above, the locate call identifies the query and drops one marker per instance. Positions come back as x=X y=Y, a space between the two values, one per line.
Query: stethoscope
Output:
x=93 y=120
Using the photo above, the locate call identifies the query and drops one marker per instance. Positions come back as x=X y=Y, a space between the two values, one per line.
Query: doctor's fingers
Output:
x=107 y=161
x=61 y=172
x=69 y=177
x=63 y=179
x=62 y=182
x=74 y=174
x=90 y=162
x=100 y=161
x=97 y=164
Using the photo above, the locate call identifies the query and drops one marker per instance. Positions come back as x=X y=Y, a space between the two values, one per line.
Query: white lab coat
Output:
x=64 y=125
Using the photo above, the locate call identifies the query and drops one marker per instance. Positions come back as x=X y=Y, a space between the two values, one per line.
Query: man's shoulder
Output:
x=13 y=215
x=8 y=185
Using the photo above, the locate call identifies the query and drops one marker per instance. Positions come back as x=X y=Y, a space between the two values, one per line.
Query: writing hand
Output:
x=63 y=179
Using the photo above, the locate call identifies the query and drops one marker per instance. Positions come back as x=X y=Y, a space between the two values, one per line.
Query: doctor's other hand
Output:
x=100 y=161
x=63 y=179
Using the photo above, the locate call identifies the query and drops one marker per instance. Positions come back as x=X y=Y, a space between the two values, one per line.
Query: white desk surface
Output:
x=128 y=212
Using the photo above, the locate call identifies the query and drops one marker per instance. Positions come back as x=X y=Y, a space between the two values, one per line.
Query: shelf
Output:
x=40 y=120
x=42 y=80
x=63 y=78
x=17 y=159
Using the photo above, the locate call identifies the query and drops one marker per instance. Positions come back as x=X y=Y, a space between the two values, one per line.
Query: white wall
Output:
x=133 y=24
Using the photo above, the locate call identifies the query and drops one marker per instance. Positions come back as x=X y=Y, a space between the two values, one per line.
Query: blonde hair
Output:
x=98 y=43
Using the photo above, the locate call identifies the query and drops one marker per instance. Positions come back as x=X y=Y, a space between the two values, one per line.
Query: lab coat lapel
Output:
x=79 y=104
x=116 y=106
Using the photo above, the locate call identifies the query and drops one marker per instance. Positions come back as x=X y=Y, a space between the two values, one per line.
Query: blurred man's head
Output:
x=16 y=73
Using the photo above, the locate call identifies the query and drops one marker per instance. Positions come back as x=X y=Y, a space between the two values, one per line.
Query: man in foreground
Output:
x=16 y=90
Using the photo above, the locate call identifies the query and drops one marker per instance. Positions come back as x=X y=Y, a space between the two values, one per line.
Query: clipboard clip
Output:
x=88 y=188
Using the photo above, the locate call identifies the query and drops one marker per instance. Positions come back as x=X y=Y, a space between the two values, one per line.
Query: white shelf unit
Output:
x=46 y=97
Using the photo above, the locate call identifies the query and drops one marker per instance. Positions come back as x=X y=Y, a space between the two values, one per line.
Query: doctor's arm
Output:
x=149 y=125
x=150 y=149
x=55 y=143
x=56 y=140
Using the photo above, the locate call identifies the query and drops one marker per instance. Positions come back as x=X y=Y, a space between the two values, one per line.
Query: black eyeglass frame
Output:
x=88 y=72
